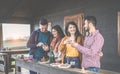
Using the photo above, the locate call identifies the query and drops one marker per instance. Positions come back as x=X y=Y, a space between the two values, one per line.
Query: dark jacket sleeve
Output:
x=49 y=39
x=32 y=40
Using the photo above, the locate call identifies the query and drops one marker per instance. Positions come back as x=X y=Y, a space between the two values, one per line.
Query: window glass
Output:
x=15 y=35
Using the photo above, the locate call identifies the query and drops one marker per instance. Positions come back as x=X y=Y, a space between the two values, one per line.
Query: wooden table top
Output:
x=15 y=51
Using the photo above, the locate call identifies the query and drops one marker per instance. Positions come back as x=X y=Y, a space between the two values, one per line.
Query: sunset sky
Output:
x=15 y=31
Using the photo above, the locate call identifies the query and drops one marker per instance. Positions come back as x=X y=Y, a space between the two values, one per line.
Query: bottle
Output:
x=51 y=56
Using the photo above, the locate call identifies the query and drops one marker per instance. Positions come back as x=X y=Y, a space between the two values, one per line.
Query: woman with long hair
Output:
x=57 y=35
x=72 y=55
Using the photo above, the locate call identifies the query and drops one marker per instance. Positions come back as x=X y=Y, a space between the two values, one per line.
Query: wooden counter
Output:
x=48 y=69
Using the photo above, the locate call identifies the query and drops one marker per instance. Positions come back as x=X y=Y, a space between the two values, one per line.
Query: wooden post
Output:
x=1 y=36
x=17 y=69
x=5 y=56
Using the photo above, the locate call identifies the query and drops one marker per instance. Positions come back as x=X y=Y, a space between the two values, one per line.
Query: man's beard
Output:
x=86 y=31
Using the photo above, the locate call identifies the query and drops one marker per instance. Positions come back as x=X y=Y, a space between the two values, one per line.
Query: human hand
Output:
x=100 y=54
x=39 y=44
x=45 y=47
x=54 y=51
x=67 y=41
x=73 y=44
x=83 y=70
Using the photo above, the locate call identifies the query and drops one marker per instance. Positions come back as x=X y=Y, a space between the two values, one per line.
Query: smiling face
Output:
x=54 y=33
x=72 y=29
x=86 y=25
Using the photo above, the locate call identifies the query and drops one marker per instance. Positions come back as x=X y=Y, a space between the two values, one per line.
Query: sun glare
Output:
x=15 y=37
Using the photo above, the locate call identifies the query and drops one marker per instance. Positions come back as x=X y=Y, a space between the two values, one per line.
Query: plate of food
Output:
x=64 y=66
x=55 y=64
x=43 y=61
x=27 y=59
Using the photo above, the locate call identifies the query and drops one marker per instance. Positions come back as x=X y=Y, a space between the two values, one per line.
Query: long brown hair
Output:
x=77 y=33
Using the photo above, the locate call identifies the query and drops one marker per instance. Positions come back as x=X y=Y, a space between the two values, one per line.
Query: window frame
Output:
x=77 y=18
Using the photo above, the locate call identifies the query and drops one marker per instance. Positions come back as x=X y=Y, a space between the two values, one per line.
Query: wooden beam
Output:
x=1 y=36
